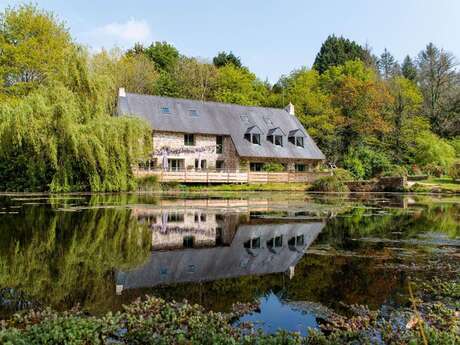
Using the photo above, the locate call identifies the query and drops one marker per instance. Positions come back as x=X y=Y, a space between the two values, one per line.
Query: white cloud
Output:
x=123 y=34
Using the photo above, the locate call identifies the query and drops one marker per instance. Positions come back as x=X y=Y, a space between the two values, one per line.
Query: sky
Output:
x=272 y=37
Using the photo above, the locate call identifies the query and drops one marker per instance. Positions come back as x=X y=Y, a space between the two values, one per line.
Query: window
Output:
x=219 y=236
x=175 y=218
x=253 y=243
x=300 y=240
x=193 y=112
x=189 y=140
x=278 y=140
x=270 y=138
x=300 y=167
x=252 y=138
x=276 y=242
x=219 y=165
x=299 y=141
x=200 y=164
x=244 y=118
x=165 y=110
x=188 y=241
x=219 y=144
x=200 y=217
x=256 y=166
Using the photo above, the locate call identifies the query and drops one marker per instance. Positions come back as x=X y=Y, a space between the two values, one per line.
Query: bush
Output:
x=147 y=183
x=434 y=170
x=343 y=175
x=329 y=184
x=454 y=171
x=430 y=149
x=397 y=170
x=273 y=167
x=365 y=162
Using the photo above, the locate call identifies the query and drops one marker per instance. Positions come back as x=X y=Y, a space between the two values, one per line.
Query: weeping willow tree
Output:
x=56 y=128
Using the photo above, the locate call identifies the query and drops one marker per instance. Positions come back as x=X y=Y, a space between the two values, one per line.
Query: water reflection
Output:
x=292 y=253
x=195 y=245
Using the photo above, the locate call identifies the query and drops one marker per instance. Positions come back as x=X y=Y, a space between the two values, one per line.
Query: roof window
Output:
x=165 y=110
x=244 y=118
x=193 y=112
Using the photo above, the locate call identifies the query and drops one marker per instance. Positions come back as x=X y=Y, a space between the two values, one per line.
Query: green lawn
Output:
x=445 y=184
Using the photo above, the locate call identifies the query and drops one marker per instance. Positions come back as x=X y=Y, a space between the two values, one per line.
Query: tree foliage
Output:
x=223 y=58
x=56 y=132
x=335 y=51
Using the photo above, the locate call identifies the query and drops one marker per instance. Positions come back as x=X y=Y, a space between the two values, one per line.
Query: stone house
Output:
x=196 y=135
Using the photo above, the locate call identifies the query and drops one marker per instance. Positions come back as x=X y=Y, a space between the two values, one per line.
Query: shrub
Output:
x=343 y=175
x=273 y=167
x=430 y=149
x=397 y=170
x=147 y=183
x=329 y=184
x=434 y=170
x=454 y=171
x=365 y=162
x=355 y=166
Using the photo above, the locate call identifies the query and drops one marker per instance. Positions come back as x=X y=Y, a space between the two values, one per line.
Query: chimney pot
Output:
x=290 y=108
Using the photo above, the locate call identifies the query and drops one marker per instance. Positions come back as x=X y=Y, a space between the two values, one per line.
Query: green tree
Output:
x=312 y=107
x=429 y=149
x=387 y=65
x=223 y=58
x=239 y=86
x=335 y=51
x=34 y=48
x=408 y=69
x=164 y=55
x=437 y=78
x=407 y=103
x=362 y=100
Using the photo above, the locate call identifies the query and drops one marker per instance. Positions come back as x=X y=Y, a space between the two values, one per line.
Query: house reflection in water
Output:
x=194 y=246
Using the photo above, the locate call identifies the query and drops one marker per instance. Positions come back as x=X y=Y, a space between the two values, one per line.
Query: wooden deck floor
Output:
x=232 y=177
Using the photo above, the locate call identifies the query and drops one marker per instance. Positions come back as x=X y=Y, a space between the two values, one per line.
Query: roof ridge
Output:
x=205 y=102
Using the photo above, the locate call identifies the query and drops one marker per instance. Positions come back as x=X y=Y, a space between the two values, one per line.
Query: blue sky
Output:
x=271 y=37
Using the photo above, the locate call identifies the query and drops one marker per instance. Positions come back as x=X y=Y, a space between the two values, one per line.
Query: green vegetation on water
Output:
x=432 y=320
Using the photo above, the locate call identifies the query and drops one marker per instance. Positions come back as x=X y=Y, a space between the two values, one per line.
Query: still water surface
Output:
x=298 y=256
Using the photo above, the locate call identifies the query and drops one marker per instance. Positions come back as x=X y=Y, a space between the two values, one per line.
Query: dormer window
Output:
x=253 y=138
x=275 y=136
x=296 y=137
x=253 y=135
x=278 y=140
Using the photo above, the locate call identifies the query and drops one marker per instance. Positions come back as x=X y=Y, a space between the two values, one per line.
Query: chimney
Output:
x=290 y=108
x=121 y=92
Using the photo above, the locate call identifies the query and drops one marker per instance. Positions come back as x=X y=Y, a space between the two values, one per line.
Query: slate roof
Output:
x=208 y=264
x=190 y=116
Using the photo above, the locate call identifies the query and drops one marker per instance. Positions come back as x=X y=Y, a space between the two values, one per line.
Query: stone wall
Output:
x=204 y=149
x=383 y=184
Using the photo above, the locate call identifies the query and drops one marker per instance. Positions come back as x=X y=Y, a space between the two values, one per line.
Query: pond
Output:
x=296 y=257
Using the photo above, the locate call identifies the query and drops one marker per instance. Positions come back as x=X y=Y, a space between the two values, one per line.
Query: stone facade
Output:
x=204 y=149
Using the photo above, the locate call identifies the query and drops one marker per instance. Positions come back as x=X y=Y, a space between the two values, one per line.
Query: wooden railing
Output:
x=213 y=176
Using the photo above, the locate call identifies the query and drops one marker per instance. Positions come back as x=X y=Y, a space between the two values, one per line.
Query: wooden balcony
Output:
x=213 y=176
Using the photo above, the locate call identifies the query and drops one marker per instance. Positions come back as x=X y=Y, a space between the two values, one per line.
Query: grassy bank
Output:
x=432 y=318
x=436 y=184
